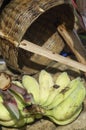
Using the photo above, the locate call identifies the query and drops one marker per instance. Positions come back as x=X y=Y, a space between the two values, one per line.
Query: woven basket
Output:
x=35 y=21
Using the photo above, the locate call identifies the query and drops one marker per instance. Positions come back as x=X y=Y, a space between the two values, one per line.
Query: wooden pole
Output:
x=72 y=40
x=28 y=46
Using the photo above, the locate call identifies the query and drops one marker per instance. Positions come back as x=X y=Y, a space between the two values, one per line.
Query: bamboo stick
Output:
x=28 y=46
x=74 y=43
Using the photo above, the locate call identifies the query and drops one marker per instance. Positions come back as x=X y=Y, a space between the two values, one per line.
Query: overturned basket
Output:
x=37 y=22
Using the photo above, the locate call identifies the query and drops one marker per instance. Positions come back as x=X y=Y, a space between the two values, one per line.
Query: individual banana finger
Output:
x=45 y=83
x=55 y=96
x=62 y=80
x=5 y=115
x=18 y=83
x=9 y=123
x=67 y=121
x=31 y=86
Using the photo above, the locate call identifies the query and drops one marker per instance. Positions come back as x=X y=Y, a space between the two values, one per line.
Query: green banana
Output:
x=62 y=80
x=14 y=123
x=21 y=105
x=30 y=119
x=10 y=123
x=5 y=115
x=66 y=121
x=31 y=86
x=70 y=106
x=23 y=121
x=55 y=96
x=45 y=84
x=64 y=93
x=7 y=119
x=59 y=100
x=18 y=83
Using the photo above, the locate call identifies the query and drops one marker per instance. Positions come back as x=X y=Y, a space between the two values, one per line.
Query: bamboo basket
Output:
x=37 y=22
x=34 y=21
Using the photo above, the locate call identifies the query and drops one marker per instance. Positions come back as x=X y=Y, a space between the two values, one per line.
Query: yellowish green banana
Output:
x=31 y=86
x=45 y=84
x=10 y=123
x=61 y=83
x=17 y=83
x=69 y=107
x=66 y=121
x=59 y=100
x=4 y=113
x=62 y=80
x=64 y=93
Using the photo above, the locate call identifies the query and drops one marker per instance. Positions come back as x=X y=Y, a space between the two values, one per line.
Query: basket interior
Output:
x=43 y=32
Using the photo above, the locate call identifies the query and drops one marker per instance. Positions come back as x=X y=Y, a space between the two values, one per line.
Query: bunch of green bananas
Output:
x=60 y=100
